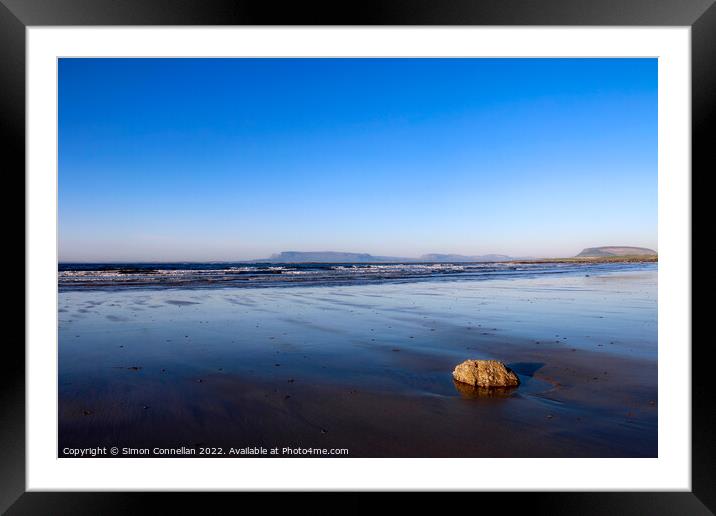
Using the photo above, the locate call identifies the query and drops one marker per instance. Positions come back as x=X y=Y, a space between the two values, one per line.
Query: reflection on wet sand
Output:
x=474 y=392
x=366 y=367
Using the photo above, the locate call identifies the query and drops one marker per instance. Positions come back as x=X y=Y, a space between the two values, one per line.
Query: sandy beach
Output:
x=366 y=368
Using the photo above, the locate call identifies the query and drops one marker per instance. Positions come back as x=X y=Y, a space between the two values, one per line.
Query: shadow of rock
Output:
x=526 y=368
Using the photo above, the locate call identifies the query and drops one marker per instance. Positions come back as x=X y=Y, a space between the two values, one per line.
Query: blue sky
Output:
x=234 y=159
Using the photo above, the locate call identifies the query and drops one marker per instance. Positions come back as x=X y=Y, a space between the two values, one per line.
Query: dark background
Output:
x=15 y=15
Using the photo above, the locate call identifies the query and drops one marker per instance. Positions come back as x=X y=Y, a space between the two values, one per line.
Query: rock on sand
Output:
x=485 y=373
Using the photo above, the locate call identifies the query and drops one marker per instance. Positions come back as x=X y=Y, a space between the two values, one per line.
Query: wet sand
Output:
x=367 y=368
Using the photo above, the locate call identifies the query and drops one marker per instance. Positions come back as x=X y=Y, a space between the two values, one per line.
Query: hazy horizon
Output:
x=258 y=258
x=191 y=160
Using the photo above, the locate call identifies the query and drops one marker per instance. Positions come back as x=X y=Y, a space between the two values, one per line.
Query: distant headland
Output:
x=616 y=251
x=342 y=257
x=607 y=253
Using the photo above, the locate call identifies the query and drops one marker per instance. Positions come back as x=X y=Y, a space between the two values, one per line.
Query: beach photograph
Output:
x=357 y=257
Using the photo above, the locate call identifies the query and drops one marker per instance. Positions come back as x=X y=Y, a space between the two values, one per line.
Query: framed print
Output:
x=427 y=248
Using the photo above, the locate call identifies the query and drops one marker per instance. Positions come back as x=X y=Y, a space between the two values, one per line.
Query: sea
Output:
x=82 y=276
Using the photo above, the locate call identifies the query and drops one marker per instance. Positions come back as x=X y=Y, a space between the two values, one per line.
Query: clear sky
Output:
x=234 y=159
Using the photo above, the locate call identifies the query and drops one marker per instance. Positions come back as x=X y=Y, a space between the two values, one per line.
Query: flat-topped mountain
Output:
x=435 y=257
x=615 y=251
x=340 y=257
x=326 y=256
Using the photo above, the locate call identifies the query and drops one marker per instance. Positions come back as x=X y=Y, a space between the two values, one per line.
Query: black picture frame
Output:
x=700 y=15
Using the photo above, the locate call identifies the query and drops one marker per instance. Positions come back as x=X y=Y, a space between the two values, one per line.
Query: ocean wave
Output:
x=81 y=276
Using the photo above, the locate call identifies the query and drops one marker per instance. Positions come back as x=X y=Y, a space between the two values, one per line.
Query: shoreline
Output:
x=592 y=259
x=577 y=259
